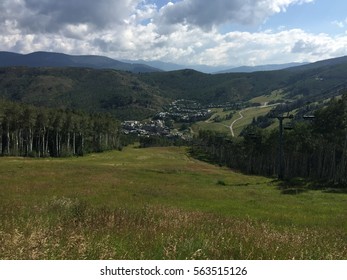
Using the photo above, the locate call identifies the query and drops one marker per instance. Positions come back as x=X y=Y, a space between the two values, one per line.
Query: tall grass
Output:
x=158 y=203
x=66 y=228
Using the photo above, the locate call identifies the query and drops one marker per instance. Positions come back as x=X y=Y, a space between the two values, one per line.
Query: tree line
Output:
x=315 y=149
x=26 y=130
x=161 y=141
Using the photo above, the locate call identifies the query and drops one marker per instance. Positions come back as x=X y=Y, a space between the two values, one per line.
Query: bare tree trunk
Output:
x=68 y=142
x=74 y=143
x=31 y=140
x=8 y=139
x=57 y=143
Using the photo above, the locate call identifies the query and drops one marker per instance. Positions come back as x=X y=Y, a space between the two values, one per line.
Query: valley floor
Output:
x=159 y=203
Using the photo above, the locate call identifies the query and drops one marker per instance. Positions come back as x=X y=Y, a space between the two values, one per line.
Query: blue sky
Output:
x=320 y=16
x=317 y=17
x=218 y=32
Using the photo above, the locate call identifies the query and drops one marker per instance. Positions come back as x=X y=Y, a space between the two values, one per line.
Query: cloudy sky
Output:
x=216 y=32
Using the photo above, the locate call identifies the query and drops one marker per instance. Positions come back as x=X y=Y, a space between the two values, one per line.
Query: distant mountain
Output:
x=167 y=66
x=269 y=67
x=49 y=59
x=207 y=68
x=319 y=64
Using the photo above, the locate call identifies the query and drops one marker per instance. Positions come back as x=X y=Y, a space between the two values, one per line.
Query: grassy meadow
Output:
x=210 y=124
x=224 y=126
x=159 y=203
x=248 y=115
x=273 y=96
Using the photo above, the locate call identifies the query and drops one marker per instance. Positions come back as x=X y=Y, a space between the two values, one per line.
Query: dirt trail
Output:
x=265 y=105
x=235 y=121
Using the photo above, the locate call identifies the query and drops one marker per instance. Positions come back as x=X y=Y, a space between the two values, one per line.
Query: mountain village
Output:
x=180 y=111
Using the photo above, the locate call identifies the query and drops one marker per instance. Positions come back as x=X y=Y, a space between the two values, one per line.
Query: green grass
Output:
x=159 y=203
x=248 y=116
x=210 y=124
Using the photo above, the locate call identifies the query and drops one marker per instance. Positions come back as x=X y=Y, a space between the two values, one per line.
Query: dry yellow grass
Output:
x=71 y=229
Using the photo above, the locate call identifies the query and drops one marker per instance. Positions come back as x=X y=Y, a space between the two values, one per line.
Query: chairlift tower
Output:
x=280 y=155
x=281 y=144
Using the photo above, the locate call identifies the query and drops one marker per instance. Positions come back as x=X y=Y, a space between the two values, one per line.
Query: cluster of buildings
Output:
x=138 y=128
x=179 y=111
x=151 y=128
x=184 y=111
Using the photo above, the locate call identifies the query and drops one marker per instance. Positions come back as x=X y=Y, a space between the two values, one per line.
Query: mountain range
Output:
x=50 y=59
x=268 y=67
x=166 y=66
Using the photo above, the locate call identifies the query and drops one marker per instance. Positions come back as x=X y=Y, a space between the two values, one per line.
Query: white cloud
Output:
x=136 y=29
x=206 y=14
x=50 y=16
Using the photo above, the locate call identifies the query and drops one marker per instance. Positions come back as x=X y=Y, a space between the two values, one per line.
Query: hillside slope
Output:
x=119 y=93
x=312 y=82
x=221 y=88
x=159 y=203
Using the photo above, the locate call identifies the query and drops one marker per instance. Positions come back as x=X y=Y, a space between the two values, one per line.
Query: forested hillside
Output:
x=314 y=149
x=217 y=89
x=312 y=82
x=119 y=93
x=26 y=130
